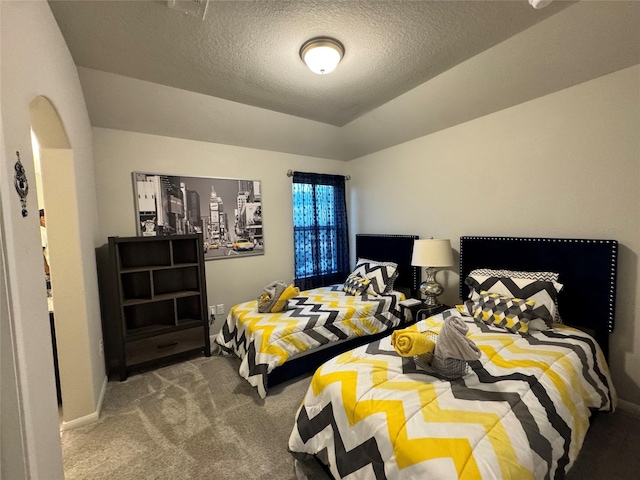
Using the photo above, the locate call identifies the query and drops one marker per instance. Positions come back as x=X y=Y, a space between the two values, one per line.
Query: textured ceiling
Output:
x=248 y=51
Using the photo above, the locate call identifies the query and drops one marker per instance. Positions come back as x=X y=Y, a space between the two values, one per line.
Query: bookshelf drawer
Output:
x=159 y=346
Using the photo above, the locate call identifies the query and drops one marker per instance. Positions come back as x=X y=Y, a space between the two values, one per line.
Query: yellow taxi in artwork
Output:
x=242 y=244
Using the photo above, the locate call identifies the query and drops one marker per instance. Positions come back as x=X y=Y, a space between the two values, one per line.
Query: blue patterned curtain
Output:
x=321 y=237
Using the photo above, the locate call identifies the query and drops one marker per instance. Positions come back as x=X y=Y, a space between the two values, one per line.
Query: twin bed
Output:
x=321 y=323
x=521 y=411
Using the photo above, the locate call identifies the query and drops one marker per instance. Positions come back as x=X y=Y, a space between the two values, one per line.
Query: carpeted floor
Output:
x=610 y=450
x=199 y=420
x=192 y=420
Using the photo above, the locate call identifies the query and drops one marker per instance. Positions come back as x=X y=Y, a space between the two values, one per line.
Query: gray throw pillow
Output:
x=270 y=296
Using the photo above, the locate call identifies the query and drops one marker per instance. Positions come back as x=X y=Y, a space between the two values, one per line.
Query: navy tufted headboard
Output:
x=587 y=269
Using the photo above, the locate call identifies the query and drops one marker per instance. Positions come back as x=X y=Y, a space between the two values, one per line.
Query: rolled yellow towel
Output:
x=411 y=342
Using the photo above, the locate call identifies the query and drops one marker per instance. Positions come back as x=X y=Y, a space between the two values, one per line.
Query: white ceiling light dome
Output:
x=322 y=55
x=538 y=4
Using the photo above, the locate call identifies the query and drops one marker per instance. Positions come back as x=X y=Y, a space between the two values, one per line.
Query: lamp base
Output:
x=430 y=288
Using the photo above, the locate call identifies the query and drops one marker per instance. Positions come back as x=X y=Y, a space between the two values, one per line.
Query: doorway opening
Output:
x=57 y=195
x=46 y=263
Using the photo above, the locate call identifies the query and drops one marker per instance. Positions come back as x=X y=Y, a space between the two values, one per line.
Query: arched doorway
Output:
x=58 y=189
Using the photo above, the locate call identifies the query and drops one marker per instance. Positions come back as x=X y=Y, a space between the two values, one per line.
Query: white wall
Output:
x=35 y=61
x=229 y=280
x=12 y=464
x=563 y=165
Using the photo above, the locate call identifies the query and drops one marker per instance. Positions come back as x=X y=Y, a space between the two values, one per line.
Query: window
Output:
x=321 y=240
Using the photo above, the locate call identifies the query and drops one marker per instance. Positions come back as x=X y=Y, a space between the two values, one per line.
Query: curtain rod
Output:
x=290 y=174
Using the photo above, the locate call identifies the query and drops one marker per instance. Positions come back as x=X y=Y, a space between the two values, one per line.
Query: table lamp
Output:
x=432 y=254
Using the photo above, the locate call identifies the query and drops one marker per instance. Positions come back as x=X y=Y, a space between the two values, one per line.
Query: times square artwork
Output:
x=227 y=212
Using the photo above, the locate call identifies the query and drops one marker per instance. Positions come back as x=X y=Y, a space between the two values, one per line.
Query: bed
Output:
x=320 y=323
x=522 y=410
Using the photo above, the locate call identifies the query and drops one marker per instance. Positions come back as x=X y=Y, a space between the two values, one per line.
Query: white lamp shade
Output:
x=432 y=253
x=322 y=55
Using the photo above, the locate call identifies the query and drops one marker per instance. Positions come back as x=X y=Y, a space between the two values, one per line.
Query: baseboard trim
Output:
x=92 y=417
x=103 y=392
x=629 y=408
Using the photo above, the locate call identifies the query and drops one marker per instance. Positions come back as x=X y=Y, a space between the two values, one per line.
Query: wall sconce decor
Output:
x=22 y=185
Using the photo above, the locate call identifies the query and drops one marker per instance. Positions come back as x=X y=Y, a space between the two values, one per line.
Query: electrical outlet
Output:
x=101 y=347
x=220 y=309
x=212 y=311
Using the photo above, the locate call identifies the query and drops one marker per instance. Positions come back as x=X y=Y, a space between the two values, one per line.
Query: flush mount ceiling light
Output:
x=195 y=8
x=322 y=55
x=538 y=4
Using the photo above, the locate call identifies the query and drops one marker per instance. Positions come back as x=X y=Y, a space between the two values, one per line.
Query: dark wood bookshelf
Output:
x=153 y=298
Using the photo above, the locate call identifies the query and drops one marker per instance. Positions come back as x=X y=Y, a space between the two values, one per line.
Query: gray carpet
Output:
x=193 y=420
x=610 y=450
x=199 y=420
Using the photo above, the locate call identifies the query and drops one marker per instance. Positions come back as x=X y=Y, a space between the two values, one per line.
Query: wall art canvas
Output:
x=228 y=212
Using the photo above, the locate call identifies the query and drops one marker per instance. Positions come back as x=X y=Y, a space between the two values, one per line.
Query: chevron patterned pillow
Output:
x=544 y=276
x=381 y=274
x=489 y=272
x=356 y=285
x=543 y=293
x=513 y=314
x=392 y=267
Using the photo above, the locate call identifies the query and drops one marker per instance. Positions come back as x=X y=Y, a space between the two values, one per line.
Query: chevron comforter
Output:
x=316 y=317
x=521 y=412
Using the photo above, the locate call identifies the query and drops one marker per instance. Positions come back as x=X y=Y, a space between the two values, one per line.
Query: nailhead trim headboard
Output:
x=587 y=268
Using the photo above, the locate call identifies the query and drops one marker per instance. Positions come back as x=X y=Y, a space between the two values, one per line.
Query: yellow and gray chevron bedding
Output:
x=316 y=317
x=521 y=412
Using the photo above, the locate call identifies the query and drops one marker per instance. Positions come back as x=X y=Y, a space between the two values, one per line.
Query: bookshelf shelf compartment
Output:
x=153 y=254
x=136 y=285
x=175 y=280
x=185 y=252
x=143 y=315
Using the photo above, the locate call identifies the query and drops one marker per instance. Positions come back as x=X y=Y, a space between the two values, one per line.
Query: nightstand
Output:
x=420 y=311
